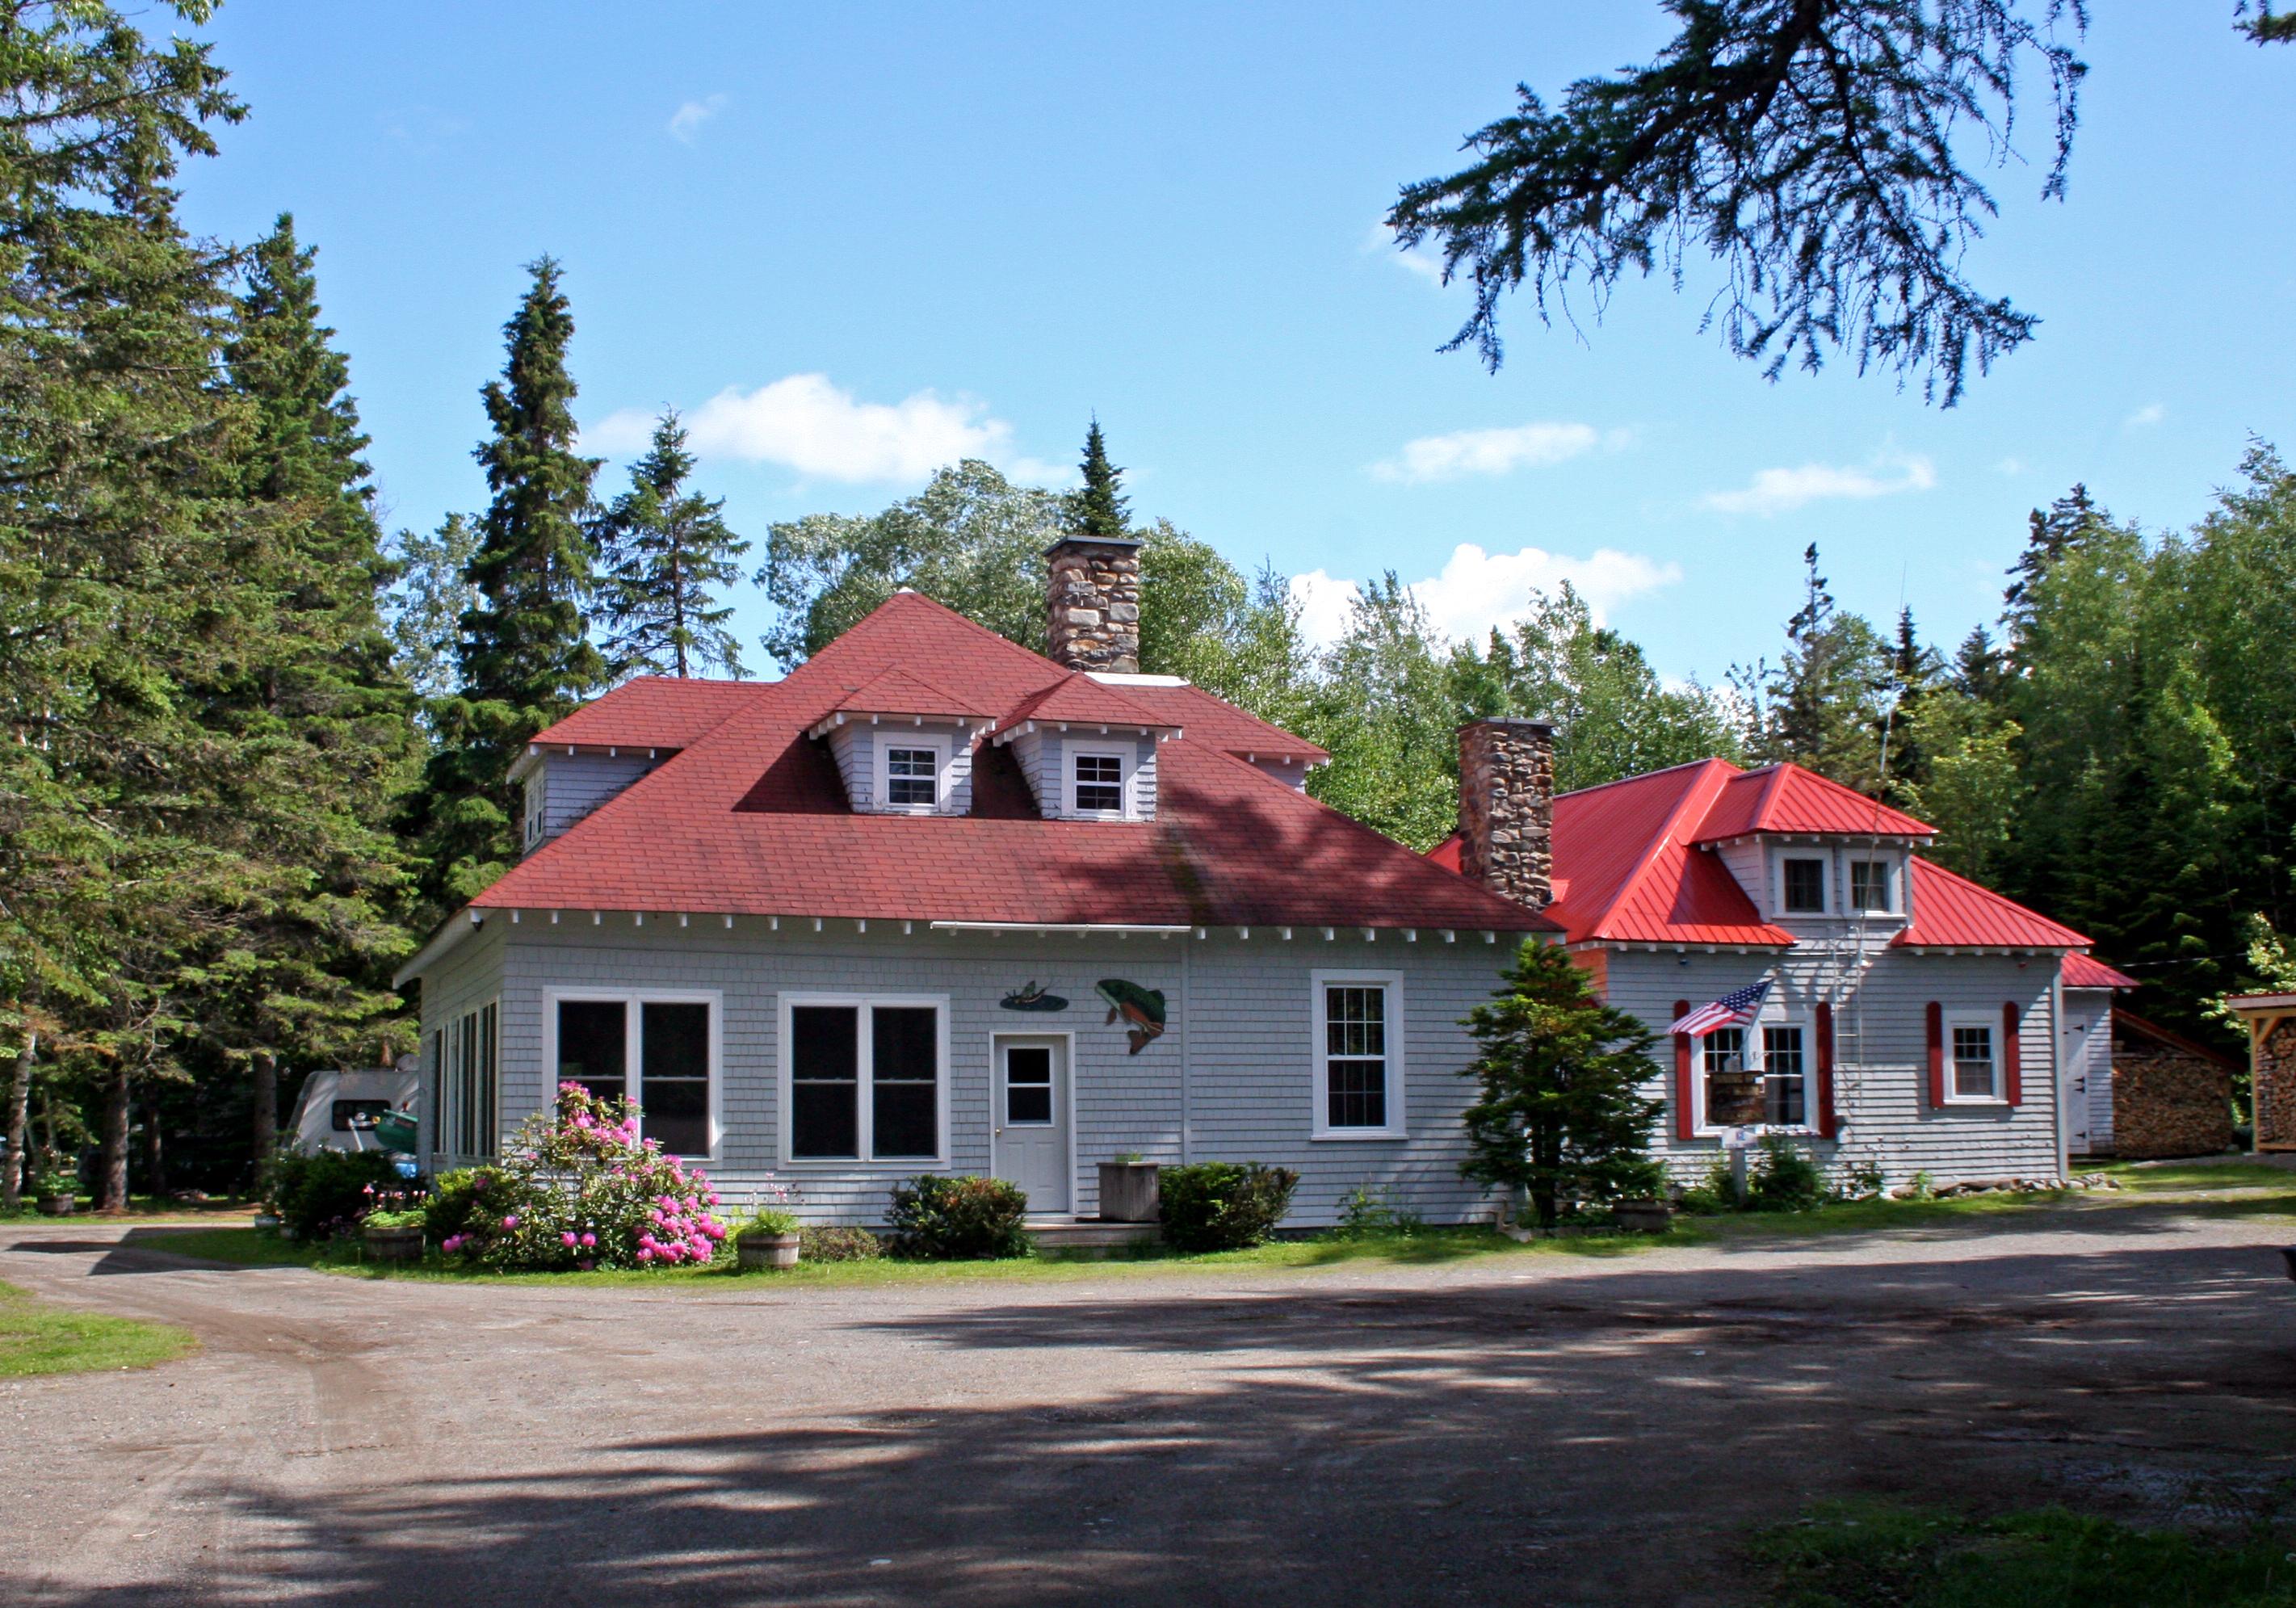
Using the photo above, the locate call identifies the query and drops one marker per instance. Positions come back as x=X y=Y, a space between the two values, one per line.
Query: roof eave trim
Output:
x=1081 y=929
x=456 y=928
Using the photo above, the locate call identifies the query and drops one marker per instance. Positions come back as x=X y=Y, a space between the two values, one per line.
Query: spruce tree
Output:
x=1099 y=509
x=667 y=554
x=303 y=971
x=1561 y=1114
x=1820 y=707
x=429 y=594
x=525 y=654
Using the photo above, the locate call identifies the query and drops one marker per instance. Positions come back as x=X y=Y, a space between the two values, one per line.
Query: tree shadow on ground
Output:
x=1610 y=1436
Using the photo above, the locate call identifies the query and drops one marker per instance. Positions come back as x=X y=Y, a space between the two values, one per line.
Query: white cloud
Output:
x=686 y=121
x=1418 y=261
x=1773 y=491
x=2010 y=466
x=1465 y=452
x=807 y=423
x=1476 y=590
x=2150 y=413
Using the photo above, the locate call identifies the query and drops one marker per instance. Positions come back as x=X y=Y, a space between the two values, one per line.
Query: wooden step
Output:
x=1090 y=1233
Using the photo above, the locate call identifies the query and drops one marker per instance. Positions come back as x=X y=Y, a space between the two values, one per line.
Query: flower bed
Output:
x=577 y=1189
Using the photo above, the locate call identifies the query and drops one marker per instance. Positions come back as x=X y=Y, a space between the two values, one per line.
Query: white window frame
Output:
x=447 y=1076
x=1890 y=903
x=882 y=756
x=1992 y=1025
x=1397 y=1125
x=1757 y=1059
x=1826 y=900
x=536 y=803
x=631 y=1000
x=865 y=1115
x=1127 y=760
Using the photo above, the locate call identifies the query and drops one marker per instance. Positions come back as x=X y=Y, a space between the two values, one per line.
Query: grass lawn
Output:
x=36 y=1338
x=1874 y=1555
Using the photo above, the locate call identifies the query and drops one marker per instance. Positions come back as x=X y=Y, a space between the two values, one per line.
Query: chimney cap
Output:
x=1095 y=541
x=1544 y=725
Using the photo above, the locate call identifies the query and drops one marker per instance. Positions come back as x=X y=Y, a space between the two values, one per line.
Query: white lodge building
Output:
x=933 y=903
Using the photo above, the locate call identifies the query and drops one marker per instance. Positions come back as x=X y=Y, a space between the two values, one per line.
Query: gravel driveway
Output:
x=1526 y=1428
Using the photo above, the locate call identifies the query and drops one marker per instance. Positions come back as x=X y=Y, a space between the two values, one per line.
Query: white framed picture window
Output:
x=912 y=774
x=1972 y=1060
x=1356 y=1024
x=1779 y=1054
x=863 y=1079
x=1099 y=781
x=660 y=1049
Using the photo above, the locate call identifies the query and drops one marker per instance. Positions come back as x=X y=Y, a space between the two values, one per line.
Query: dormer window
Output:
x=534 y=795
x=1096 y=783
x=1802 y=885
x=1869 y=886
x=909 y=773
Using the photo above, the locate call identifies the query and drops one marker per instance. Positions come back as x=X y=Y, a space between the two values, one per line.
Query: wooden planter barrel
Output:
x=393 y=1244
x=757 y=1249
x=1642 y=1217
x=57 y=1205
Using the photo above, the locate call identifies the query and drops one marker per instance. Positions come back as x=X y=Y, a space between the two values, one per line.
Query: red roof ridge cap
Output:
x=1666 y=828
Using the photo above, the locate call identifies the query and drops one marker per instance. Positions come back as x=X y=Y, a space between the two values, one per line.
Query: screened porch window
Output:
x=464 y=1082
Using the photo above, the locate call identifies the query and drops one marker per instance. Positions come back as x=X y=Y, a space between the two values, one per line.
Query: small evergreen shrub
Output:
x=1224 y=1205
x=838 y=1245
x=1712 y=1195
x=966 y=1218
x=319 y=1197
x=1372 y=1214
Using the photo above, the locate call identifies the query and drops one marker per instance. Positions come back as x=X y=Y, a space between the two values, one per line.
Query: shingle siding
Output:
x=1881 y=1051
x=575 y=784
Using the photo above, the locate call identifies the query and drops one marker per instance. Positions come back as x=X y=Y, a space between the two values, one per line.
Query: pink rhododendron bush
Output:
x=578 y=1188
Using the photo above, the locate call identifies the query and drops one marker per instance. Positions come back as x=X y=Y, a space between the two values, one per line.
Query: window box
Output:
x=1356 y=1024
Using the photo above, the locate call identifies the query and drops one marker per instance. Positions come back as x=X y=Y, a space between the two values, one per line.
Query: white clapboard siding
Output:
x=575 y=784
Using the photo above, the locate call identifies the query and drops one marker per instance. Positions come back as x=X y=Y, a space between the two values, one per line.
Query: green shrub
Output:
x=1710 y=1194
x=1372 y=1214
x=320 y=1196
x=959 y=1219
x=770 y=1220
x=1784 y=1180
x=1224 y=1205
x=838 y=1245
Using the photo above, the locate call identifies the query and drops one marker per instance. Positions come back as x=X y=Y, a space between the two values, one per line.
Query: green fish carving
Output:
x=1144 y=1008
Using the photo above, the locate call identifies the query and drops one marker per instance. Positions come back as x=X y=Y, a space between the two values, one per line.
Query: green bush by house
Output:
x=959 y=1219
x=1224 y=1205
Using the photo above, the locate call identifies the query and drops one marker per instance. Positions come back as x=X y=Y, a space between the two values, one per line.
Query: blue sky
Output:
x=852 y=242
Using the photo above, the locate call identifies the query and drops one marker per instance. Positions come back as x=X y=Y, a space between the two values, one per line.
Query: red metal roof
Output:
x=750 y=819
x=1786 y=797
x=2088 y=971
x=1952 y=912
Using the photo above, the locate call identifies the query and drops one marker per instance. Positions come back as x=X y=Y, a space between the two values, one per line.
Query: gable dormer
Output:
x=904 y=746
x=1087 y=750
x=1810 y=851
x=564 y=781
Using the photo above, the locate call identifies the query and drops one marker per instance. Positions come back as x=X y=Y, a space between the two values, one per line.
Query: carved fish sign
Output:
x=1143 y=1009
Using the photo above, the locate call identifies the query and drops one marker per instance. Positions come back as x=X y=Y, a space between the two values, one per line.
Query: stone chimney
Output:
x=1506 y=809
x=1091 y=603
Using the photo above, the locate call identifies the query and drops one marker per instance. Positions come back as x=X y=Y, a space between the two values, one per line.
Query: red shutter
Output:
x=1825 y=1071
x=1685 y=1118
x=2012 y=1081
x=1937 y=1053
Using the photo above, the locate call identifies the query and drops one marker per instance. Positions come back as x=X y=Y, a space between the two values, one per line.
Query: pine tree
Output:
x=1099 y=509
x=1561 y=1114
x=1914 y=672
x=317 y=700
x=525 y=654
x=667 y=554
x=2050 y=535
x=1820 y=707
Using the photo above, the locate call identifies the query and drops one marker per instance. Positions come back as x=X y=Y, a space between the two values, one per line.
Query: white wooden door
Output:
x=1031 y=1121
x=2077 y=1076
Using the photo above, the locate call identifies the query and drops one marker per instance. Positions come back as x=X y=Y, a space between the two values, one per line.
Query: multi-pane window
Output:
x=1784 y=1083
x=1804 y=881
x=1723 y=1050
x=913 y=778
x=464 y=1068
x=1869 y=885
x=1099 y=782
x=667 y=1041
x=864 y=1082
x=534 y=816
x=1027 y=1086
x=1355 y=1083
x=1974 y=1066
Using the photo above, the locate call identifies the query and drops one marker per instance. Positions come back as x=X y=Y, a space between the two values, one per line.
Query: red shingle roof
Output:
x=1629 y=863
x=2088 y=971
x=1077 y=697
x=751 y=819
x=653 y=711
x=1786 y=797
x=896 y=692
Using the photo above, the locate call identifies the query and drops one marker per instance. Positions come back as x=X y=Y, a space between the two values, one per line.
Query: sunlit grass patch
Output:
x=37 y=1337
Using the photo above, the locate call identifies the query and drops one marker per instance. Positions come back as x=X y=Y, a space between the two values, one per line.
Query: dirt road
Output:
x=1519 y=1428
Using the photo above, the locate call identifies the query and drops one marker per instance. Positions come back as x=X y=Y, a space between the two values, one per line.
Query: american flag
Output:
x=1731 y=1010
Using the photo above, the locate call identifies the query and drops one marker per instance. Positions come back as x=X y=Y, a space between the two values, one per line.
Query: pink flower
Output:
x=589 y=1240
x=511 y=1221
x=586 y=1264
x=702 y=1252
x=569 y=1241
x=712 y=1197
x=646 y=1253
